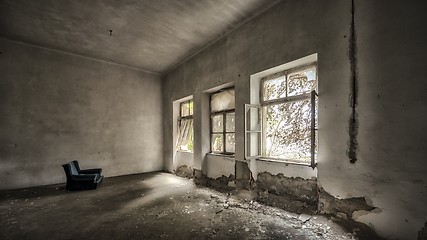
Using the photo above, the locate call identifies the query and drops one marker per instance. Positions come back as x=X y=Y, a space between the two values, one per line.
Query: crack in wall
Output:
x=353 y=121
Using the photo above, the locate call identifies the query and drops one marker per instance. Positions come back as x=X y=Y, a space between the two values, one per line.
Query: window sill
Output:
x=286 y=162
x=221 y=155
x=185 y=151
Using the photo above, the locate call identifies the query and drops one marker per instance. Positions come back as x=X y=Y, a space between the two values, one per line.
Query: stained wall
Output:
x=56 y=107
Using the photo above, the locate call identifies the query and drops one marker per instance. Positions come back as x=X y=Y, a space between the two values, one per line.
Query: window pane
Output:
x=185 y=109
x=302 y=81
x=230 y=142
x=316 y=126
x=316 y=113
x=274 y=88
x=217 y=123
x=217 y=145
x=253 y=141
x=191 y=107
x=253 y=119
x=287 y=130
x=224 y=100
x=316 y=145
x=229 y=122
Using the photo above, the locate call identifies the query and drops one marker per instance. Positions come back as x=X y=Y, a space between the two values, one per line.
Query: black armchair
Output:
x=81 y=181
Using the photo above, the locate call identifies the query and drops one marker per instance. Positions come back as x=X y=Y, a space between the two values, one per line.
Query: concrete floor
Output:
x=151 y=206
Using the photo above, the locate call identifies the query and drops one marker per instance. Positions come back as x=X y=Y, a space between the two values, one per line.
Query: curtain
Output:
x=185 y=135
x=223 y=100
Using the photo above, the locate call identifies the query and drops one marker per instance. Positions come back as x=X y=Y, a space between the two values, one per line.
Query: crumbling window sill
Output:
x=286 y=162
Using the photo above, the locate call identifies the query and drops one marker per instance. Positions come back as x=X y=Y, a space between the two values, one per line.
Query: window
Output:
x=289 y=114
x=281 y=122
x=222 y=106
x=185 y=123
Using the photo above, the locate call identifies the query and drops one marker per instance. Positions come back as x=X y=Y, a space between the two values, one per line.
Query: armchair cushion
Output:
x=85 y=177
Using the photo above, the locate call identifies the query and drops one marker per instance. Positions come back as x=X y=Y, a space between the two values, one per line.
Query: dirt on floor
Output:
x=153 y=206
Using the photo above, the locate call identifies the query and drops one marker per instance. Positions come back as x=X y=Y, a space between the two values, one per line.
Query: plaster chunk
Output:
x=184 y=171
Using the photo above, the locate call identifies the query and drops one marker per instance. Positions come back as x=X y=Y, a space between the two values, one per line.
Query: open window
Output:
x=185 y=127
x=283 y=127
x=222 y=108
x=253 y=131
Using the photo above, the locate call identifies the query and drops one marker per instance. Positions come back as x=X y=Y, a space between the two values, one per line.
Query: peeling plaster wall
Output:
x=287 y=170
x=56 y=107
x=294 y=194
x=183 y=158
x=391 y=112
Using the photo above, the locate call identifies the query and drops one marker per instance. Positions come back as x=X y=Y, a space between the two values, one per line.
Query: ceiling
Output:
x=151 y=35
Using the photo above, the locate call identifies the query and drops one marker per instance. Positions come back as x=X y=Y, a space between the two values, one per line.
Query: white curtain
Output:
x=185 y=134
x=223 y=100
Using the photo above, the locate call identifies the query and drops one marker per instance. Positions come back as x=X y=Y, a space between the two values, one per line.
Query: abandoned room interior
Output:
x=227 y=119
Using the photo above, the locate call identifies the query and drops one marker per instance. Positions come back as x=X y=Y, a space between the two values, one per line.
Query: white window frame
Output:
x=258 y=102
x=253 y=131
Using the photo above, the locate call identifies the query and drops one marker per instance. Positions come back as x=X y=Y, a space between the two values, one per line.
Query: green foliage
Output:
x=287 y=125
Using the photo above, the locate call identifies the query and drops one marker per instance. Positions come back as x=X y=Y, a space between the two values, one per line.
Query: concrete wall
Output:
x=391 y=110
x=56 y=107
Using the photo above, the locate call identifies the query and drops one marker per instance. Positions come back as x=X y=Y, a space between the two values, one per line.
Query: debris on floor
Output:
x=153 y=206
